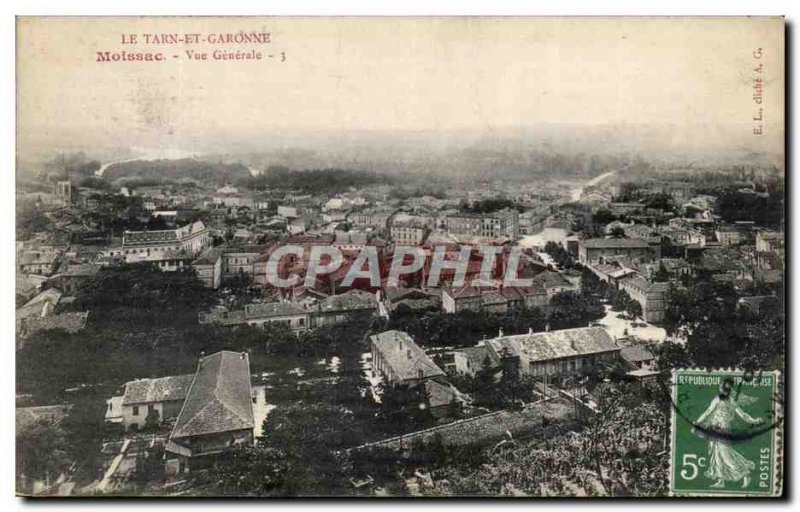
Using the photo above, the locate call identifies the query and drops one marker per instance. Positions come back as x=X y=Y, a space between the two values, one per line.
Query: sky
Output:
x=396 y=75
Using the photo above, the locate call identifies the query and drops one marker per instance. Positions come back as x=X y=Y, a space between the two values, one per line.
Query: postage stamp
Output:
x=725 y=435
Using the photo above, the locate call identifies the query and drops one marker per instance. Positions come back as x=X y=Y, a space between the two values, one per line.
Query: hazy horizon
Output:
x=655 y=85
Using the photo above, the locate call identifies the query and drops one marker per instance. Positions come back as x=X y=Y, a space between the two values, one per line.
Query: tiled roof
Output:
x=157 y=390
x=148 y=237
x=551 y=279
x=405 y=357
x=545 y=346
x=69 y=322
x=271 y=309
x=476 y=356
x=611 y=243
x=439 y=395
x=37 y=258
x=209 y=257
x=350 y=301
x=219 y=399
x=53 y=414
x=636 y=353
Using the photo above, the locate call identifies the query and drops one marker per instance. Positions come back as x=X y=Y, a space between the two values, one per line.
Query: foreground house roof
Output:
x=219 y=399
x=157 y=390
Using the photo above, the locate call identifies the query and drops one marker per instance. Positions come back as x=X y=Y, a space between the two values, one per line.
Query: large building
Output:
x=217 y=414
x=554 y=353
x=408 y=232
x=400 y=361
x=143 y=246
x=503 y=223
x=597 y=250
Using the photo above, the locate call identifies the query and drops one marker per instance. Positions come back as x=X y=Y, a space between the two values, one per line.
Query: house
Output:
x=337 y=308
x=408 y=232
x=217 y=414
x=42 y=305
x=147 y=245
x=70 y=322
x=729 y=235
x=638 y=357
x=377 y=219
x=37 y=262
x=767 y=241
x=400 y=361
x=410 y=300
x=209 y=268
x=295 y=316
x=162 y=398
x=489 y=225
x=553 y=283
x=474 y=297
x=72 y=275
x=441 y=400
x=551 y=353
x=652 y=296
x=597 y=250
x=471 y=360
x=238 y=260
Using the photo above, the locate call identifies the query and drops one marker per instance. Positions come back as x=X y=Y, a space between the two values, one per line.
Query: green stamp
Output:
x=725 y=433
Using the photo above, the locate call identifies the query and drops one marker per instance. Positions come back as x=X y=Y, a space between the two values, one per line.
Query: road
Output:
x=578 y=192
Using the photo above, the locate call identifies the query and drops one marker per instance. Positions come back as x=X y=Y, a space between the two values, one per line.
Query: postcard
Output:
x=532 y=257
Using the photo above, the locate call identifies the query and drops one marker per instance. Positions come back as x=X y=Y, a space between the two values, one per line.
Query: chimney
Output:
x=530 y=330
x=202 y=356
x=547 y=327
x=243 y=355
x=500 y=333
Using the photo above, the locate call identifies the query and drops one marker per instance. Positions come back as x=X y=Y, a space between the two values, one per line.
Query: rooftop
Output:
x=271 y=309
x=157 y=390
x=545 y=346
x=610 y=243
x=636 y=353
x=219 y=398
x=350 y=301
x=405 y=357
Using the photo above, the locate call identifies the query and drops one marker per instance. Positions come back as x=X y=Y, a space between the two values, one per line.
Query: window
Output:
x=135 y=410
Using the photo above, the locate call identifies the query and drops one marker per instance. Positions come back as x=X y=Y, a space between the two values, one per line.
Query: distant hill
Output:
x=199 y=170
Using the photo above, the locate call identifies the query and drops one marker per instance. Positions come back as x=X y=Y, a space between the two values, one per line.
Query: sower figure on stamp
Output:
x=725 y=463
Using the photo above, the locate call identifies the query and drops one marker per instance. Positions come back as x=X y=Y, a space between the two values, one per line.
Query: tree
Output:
x=152 y=421
x=621 y=301
x=617 y=232
x=634 y=309
x=253 y=471
x=661 y=275
x=41 y=453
